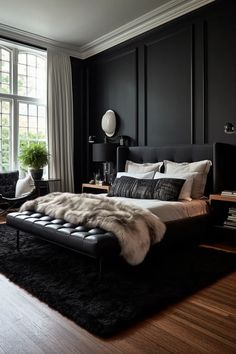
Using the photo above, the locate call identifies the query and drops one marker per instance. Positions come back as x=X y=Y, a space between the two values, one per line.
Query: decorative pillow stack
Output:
x=201 y=169
x=192 y=177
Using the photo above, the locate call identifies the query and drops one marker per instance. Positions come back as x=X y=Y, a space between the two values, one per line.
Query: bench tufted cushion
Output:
x=93 y=242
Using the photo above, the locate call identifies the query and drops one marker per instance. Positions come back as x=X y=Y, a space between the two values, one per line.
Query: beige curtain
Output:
x=60 y=120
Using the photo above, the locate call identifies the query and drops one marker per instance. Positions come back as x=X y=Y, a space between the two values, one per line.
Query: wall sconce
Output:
x=109 y=123
x=91 y=139
x=229 y=128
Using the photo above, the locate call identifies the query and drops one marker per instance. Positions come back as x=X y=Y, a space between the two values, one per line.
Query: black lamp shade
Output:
x=104 y=152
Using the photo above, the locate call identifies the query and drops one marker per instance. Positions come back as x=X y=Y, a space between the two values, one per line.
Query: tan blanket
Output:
x=136 y=228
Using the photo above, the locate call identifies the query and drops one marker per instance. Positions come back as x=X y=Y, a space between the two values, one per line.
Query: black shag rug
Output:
x=68 y=282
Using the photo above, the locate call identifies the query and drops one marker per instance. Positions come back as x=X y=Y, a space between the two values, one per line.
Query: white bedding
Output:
x=169 y=211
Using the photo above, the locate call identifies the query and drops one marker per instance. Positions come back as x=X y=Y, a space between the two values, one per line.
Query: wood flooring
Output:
x=203 y=323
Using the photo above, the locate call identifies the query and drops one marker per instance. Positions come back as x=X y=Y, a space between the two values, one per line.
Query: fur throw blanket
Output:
x=136 y=228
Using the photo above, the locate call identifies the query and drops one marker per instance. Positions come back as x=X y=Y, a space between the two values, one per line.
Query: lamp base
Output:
x=108 y=172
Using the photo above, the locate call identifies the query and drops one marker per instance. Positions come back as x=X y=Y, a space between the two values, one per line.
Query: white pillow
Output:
x=24 y=186
x=199 y=180
x=147 y=175
x=134 y=167
x=185 y=193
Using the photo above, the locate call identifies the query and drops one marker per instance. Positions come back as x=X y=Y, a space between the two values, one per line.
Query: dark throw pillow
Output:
x=167 y=189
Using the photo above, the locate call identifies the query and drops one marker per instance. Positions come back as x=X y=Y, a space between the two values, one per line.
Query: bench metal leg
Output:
x=18 y=240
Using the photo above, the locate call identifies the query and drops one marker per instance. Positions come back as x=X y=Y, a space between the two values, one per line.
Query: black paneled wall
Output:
x=169 y=88
x=175 y=84
x=221 y=72
x=113 y=85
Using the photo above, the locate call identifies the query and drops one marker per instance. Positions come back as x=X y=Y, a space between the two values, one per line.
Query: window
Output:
x=23 y=85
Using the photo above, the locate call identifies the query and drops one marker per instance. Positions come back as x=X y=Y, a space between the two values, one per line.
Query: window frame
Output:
x=10 y=126
x=11 y=65
x=16 y=49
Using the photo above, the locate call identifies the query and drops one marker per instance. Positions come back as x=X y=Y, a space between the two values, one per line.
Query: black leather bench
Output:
x=93 y=242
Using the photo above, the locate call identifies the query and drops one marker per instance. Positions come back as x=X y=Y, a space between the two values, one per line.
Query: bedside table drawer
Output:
x=95 y=188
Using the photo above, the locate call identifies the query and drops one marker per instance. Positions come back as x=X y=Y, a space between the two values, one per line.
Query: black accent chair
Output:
x=8 y=201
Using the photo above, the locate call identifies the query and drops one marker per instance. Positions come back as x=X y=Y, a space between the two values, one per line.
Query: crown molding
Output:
x=146 y=22
x=13 y=33
x=150 y=20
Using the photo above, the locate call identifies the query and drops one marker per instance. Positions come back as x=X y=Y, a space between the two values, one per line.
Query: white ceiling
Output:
x=74 y=22
x=80 y=23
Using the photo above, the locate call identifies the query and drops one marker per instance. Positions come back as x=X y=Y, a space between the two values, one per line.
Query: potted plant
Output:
x=35 y=156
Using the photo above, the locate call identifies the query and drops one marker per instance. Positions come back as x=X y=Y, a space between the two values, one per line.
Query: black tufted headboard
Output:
x=223 y=156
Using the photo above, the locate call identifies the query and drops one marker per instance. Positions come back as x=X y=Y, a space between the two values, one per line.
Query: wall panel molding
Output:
x=205 y=83
x=116 y=79
x=192 y=85
x=170 y=87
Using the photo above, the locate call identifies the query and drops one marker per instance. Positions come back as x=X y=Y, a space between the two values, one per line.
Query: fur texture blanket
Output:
x=136 y=228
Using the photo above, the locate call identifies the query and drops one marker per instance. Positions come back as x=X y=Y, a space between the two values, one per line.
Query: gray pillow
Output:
x=163 y=189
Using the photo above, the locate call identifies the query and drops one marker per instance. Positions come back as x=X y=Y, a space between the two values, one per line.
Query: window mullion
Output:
x=14 y=134
x=14 y=71
x=23 y=98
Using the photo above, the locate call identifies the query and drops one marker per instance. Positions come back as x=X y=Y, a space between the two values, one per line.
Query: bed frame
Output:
x=221 y=176
x=98 y=243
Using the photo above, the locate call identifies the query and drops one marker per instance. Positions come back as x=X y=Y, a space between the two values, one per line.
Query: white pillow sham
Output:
x=199 y=180
x=147 y=175
x=24 y=186
x=134 y=167
x=185 y=193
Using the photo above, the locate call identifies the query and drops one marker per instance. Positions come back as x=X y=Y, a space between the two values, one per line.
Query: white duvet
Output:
x=169 y=211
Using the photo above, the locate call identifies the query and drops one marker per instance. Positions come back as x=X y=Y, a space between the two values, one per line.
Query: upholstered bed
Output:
x=99 y=243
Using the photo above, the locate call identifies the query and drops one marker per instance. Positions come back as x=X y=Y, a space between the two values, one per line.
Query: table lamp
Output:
x=105 y=153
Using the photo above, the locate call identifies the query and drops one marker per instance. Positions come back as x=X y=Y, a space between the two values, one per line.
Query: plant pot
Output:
x=36 y=174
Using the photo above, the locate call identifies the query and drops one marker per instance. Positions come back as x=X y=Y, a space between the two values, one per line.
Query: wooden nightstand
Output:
x=222 y=198
x=220 y=205
x=95 y=188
